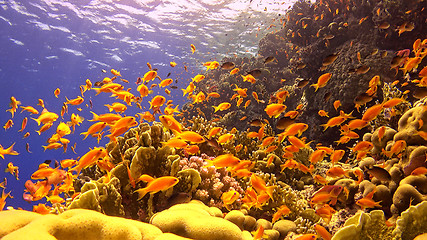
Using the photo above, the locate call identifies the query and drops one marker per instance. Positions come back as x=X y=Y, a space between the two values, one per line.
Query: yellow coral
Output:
x=72 y=224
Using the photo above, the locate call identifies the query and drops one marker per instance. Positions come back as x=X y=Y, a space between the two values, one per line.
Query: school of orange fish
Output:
x=56 y=184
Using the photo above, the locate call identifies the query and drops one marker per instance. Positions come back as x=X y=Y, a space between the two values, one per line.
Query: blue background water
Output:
x=49 y=44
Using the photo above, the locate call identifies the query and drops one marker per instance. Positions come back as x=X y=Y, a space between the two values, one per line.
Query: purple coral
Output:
x=214 y=181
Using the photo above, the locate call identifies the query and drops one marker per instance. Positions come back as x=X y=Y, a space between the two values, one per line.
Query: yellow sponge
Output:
x=73 y=224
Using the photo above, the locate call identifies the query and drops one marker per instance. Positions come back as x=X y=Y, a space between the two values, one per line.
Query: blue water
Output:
x=49 y=44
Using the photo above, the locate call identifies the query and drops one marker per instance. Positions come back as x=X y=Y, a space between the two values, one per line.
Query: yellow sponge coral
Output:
x=197 y=221
x=73 y=224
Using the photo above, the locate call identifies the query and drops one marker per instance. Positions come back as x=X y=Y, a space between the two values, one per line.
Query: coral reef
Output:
x=365 y=226
x=197 y=221
x=412 y=222
x=102 y=197
x=72 y=224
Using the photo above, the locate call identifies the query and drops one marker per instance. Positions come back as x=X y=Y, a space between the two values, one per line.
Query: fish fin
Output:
x=141 y=193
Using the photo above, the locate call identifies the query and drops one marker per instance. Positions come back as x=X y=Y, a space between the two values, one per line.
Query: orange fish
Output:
x=325 y=212
x=57 y=92
x=14 y=105
x=307 y=237
x=275 y=109
x=96 y=127
x=14 y=170
x=362 y=146
x=157 y=102
x=222 y=106
x=281 y=211
x=29 y=109
x=89 y=159
x=191 y=136
x=225 y=160
x=117 y=107
x=367 y=201
x=396 y=148
x=336 y=172
x=76 y=101
x=46 y=117
x=148 y=76
x=7 y=151
x=317 y=156
x=260 y=185
x=335 y=121
x=322 y=81
x=419 y=171
x=228 y=198
x=157 y=185
x=337 y=155
x=321 y=231
x=234 y=71
x=8 y=124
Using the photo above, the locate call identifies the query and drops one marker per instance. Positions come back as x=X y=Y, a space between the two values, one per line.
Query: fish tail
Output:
x=76 y=169
x=110 y=108
x=85 y=134
x=112 y=138
x=316 y=86
x=97 y=90
x=270 y=191
x=325 y=126
x=95 y=117
x=141 y=193
x=10 y=150
x=216 y=108
x=38 y=122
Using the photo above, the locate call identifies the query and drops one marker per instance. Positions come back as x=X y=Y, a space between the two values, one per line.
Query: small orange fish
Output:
x=372 y=112
x=225 y=160
x=307 y=237
x=367 y=201
x=191 y=136
x=281 y=211
x=228 y=198
x=322 y=81
x=275 y=109
x=8 y=124
x=14 y=170
x=14 y=105
x=321 y=231
x=57 y=92
x=157 y=185
x=337 y=104
x=222 y=106
x=260 y=185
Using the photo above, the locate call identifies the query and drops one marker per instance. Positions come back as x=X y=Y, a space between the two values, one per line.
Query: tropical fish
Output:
x=227 y=65
x=222 y=106
x=7 y=151
x=322 y=81
x=157 y=185
x=228 y=198
x=14 y=105
x=260 y=186
x=281 y=211
x=191 y=136
x=23 y=124
x=275 y=109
